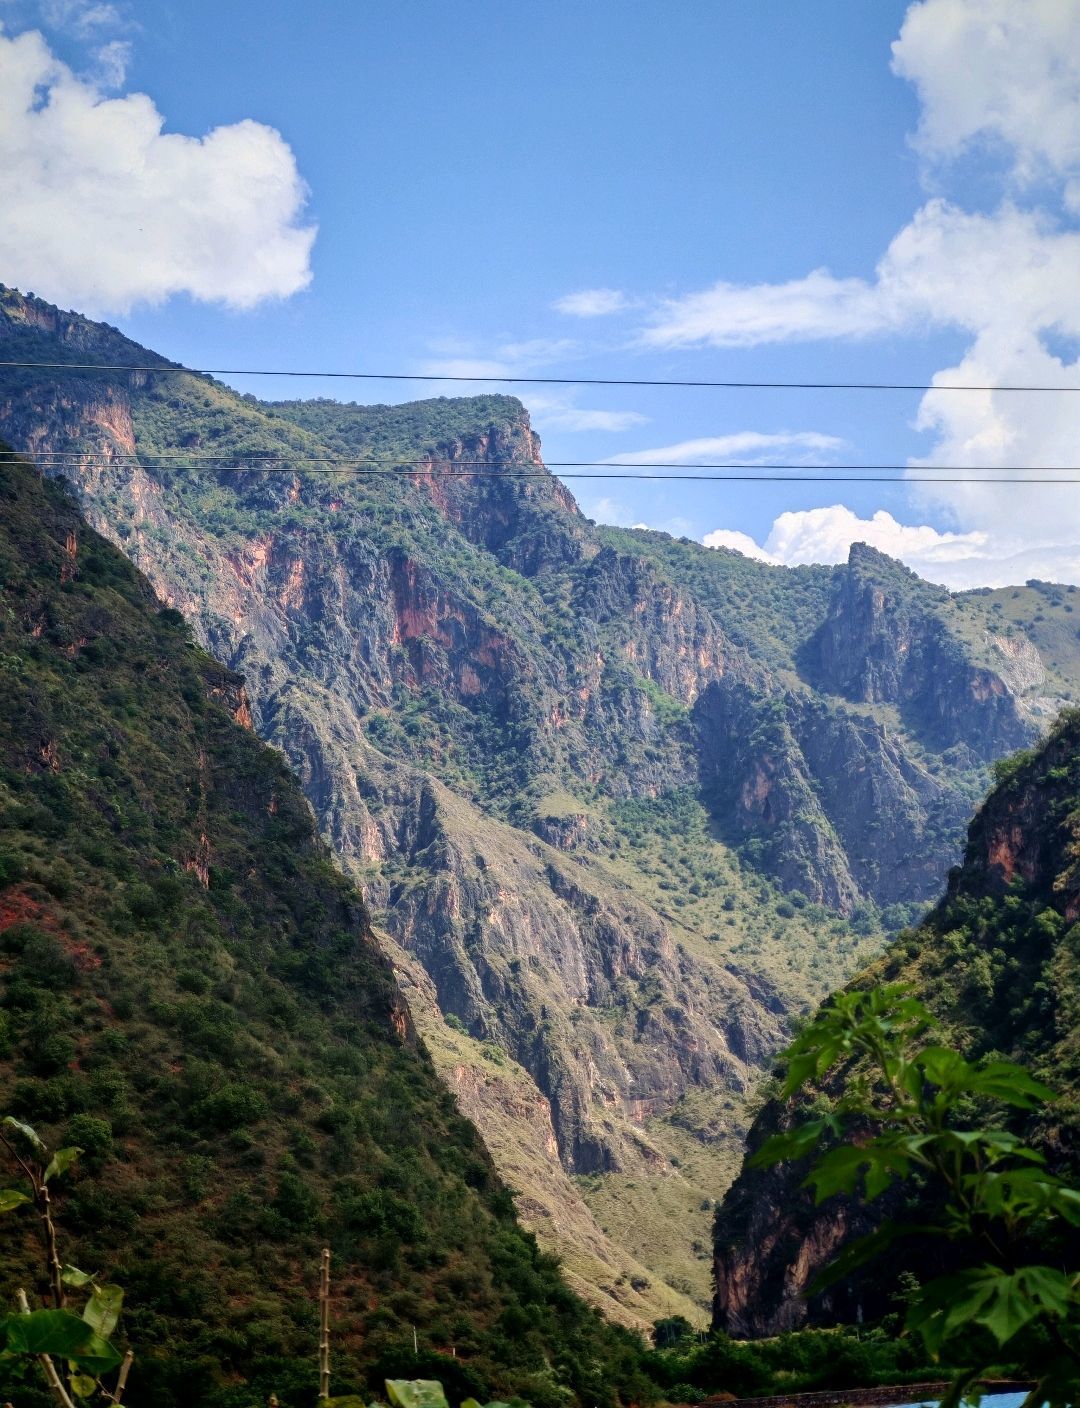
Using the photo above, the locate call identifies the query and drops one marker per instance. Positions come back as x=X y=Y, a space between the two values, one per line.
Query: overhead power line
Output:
x=283 y=461
x=531 y=380
x=763 y=475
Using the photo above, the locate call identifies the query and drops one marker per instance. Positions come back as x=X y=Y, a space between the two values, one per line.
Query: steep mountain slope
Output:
x=999 y=962
x=192 y=992
x=625 y=800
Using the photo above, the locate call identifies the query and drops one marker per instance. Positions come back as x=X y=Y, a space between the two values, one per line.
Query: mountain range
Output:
x=621 y=806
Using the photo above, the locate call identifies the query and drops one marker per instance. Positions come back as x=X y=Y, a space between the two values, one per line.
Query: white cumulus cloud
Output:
x=973 y=558
x=826 y=534
x=735 y=541
x=1003 y=71
x=107 y=210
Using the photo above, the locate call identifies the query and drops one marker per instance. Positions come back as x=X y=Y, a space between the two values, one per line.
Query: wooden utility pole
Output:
x=324 y=1326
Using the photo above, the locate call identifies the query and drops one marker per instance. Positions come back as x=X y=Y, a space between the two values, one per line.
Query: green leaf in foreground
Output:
x=11 y=1198
x=416 y=1393
x=26 y=1131
x=59 y=1333
x=1003 y=1303
x=904 y=1112
x=102 y=1310
x=72 y=1276
x=61 y=1161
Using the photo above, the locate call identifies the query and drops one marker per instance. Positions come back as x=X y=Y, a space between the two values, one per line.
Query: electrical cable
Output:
x=258 y=459
x=532 y=380
x=543 y=474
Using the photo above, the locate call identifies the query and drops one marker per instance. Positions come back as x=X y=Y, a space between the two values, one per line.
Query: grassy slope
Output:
x=714 y=905
x=233 y=1056
x=1044 y=613
x=596 y=1261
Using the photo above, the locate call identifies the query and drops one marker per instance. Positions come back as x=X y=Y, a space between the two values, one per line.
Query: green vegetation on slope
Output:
x=998 y=963
x=899 y=1113
x=192 y=995
x=1046 y=614
x=797 y=1362
x=770 y=610
x=392 y=433
x=999 y=959
x=667 y=849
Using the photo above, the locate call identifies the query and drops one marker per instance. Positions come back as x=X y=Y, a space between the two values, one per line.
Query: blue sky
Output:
x=455 y=185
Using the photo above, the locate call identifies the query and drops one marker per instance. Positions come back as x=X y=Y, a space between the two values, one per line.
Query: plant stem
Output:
x=44 y=1206
x=121 y=1379
x=47 y=1366
x=324 y=1326
x=16 y=1156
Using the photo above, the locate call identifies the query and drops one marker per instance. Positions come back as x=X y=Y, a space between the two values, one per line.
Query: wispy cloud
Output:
x=459 y=357
x=610 y=510
x=539 y=351
x=744 y=315
x=1012 y=270
x=749 y=446
x=593 y=303
x=111 y=62
x=559 y=411
x=606 y=509
x=550 y=408
x=101 y=29
x=82 y=18
x=483 y=367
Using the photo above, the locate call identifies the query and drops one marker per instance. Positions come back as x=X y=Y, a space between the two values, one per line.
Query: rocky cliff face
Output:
x=886 y=640
x=574 y=768
x=839 y=807
x=999 y=962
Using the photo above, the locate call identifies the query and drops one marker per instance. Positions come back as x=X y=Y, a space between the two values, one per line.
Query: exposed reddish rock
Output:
x=69 y=566
x=199 y=863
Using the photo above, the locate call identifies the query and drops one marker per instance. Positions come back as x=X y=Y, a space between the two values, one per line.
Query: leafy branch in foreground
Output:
x=905 y=1114
x=80 y=1343
x=410 y=1393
